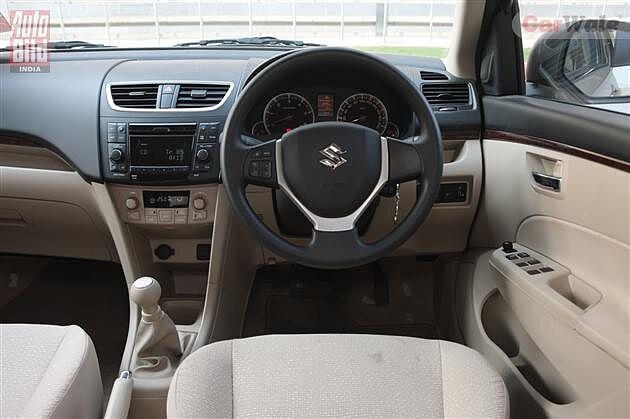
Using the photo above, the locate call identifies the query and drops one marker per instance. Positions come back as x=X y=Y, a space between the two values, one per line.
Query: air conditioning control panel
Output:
x=162 y=206
x=157 y=153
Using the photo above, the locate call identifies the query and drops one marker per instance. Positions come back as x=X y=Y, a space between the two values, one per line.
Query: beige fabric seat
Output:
x=48 y=371
x=336 y=375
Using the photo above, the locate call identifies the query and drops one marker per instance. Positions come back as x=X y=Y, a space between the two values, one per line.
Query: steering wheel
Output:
x=331 y=171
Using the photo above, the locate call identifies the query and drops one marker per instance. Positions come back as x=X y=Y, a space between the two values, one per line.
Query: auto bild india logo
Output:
x=30 y=35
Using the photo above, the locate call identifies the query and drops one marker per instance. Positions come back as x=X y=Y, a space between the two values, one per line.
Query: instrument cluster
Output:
x=282 y=112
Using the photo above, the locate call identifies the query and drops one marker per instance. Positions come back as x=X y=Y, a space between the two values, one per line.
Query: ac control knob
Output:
x=131 y=203
x=199 y=203
x=116 y=155
x=202 y=155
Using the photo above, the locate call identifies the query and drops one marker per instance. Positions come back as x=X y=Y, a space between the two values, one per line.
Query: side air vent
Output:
x=447 y=94
x=135 y=96
x=201 y=95
x=431 y=76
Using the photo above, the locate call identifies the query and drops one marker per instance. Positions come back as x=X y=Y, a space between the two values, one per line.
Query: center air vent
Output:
x=135 y=96
x=447 y=94
x=173 y=96
x=199 y=95
x=430 y=75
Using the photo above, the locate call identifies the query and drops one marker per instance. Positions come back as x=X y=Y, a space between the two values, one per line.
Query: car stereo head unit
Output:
x=167 y=153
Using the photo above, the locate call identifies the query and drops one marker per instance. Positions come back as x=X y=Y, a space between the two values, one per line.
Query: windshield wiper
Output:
x=66 y=45
x=76 y=45
x=265 y=41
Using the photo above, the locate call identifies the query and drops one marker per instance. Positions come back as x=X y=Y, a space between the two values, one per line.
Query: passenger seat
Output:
x=48 y=371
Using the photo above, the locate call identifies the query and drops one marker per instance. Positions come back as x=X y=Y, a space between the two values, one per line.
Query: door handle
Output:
x=547 y=181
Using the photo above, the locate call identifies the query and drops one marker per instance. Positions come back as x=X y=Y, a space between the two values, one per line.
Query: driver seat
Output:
x=336 y=375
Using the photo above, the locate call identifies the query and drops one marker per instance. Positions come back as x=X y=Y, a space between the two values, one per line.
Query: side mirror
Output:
x=587 y=61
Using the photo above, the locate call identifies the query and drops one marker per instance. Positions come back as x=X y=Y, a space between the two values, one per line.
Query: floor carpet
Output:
x=392 y=297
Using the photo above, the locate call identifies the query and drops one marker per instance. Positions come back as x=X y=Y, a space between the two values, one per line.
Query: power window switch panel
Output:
x=533 y=272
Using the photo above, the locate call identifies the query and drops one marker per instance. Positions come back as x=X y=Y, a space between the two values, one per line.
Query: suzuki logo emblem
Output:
x=332 y=156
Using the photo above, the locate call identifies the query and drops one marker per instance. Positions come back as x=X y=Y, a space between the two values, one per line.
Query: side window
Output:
x=585 y=62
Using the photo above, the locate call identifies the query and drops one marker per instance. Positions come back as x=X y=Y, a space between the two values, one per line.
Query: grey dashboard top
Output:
x=61 y=109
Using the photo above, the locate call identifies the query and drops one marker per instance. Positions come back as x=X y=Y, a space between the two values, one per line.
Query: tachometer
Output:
x=364 y=109
x=286 y=112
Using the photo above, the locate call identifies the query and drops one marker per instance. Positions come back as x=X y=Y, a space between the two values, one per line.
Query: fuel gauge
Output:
x=391 y=130
x=259 y=130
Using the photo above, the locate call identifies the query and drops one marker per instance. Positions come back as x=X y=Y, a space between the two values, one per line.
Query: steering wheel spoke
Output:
x=260 y=165
x=405 y=161
x=327 y=244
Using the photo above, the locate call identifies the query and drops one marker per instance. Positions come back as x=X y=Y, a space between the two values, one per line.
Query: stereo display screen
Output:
x=160 y=153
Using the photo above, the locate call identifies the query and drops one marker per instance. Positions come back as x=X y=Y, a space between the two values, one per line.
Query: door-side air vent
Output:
x=451 y=95
x=134 y=96
x=431 y=76
x=201 y=95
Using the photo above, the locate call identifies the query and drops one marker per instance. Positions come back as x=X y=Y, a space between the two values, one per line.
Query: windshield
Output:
x=404 y=27
x=413 y=27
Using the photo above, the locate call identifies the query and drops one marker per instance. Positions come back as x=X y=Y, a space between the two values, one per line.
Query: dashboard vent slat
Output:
x=446 y=93
x=201 y=95
x=135 y=96
x=430 y=76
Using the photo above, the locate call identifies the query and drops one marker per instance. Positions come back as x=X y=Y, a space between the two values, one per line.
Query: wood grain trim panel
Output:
x=556 y=146
x=460 y=135
x=24 y=142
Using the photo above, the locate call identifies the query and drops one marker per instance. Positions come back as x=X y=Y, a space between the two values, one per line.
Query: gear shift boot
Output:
x=157 y=348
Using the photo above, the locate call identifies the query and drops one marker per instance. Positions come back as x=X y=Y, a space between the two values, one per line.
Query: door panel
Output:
x=560 y=335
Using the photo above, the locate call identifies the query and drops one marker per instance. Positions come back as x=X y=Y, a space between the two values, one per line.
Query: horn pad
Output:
x=331 y=167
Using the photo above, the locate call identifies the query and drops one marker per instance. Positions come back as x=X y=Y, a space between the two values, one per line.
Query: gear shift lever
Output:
x=146 y=293
x=157 y=348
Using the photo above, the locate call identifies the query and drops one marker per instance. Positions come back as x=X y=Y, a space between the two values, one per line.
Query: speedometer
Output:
x=364 y=109
x=287 y=111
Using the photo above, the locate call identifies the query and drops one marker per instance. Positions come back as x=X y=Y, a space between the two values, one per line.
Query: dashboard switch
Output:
x=202 y=155
x=131 y=203
x=116 y=155
x=452 y=193
x=199 y=203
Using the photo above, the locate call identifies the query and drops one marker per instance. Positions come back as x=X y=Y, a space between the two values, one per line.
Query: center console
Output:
x=161 y=153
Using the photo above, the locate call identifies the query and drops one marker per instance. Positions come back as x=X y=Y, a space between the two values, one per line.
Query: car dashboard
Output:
x=144 y=125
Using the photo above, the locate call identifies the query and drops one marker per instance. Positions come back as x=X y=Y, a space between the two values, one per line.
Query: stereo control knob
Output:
x=131 y=203
x=116 y=156
x=202 y=155
x=199 y=203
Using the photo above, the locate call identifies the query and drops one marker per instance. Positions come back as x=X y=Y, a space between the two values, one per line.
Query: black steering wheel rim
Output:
x=344 y=248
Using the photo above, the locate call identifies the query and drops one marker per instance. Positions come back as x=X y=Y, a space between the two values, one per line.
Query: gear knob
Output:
x=146 y=293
